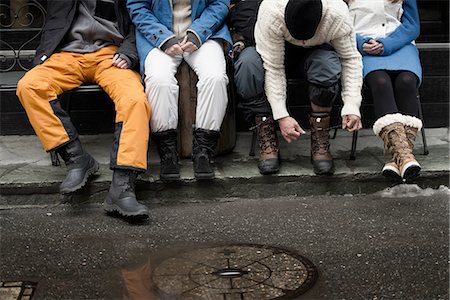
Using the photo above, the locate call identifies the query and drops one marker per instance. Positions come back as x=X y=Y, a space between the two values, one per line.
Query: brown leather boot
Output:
x=395 y=138
x=320 y=143
x=269 y=155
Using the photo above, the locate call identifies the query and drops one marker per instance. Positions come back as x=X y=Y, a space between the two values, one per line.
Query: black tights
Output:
x=393 y=92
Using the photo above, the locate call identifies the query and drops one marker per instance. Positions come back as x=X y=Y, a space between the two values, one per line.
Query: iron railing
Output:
x=21 y=23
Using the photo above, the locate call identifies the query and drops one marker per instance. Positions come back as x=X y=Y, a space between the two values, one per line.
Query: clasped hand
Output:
x=119 y=62
x=373 y=47
x=184 y=46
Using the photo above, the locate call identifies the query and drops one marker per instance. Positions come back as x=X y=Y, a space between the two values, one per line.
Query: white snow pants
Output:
x=161 y=86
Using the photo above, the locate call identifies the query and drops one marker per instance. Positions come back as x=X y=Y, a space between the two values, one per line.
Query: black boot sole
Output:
x=169 y=177
x=268 y=170
x=392 y=176
x=320 y=171
x=204 y=176
x=114 y=208
x=411 y=173
x=91 y=171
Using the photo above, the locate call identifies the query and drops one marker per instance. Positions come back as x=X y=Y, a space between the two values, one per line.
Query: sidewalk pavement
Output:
x=27 y=176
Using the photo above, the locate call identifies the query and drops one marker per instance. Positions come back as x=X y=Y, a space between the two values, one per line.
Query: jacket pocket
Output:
x=105 y=9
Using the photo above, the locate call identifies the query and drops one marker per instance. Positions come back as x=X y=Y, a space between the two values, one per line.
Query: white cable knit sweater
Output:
x=335 y=28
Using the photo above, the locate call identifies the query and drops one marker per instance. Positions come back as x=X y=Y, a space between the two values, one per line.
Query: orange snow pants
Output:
x=39 y=89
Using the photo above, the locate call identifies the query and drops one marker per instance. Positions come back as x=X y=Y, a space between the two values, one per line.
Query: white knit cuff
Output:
x=279 y=112
x=350 y=109
x=393 y=118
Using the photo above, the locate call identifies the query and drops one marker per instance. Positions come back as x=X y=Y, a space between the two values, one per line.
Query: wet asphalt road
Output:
x=364 y=247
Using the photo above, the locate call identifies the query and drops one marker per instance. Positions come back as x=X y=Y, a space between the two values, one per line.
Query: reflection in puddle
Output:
x=241 y=272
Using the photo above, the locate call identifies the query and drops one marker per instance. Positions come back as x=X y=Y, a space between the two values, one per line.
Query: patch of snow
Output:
x=412 y=190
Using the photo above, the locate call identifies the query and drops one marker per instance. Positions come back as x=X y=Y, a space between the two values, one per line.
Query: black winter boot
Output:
x=122 y=198
x=205 y=142
x=166 y=142
x=80 y=165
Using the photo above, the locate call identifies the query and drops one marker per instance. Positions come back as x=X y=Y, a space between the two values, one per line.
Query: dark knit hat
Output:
x=302 y=18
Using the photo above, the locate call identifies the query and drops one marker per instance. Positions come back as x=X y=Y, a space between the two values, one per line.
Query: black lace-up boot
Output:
x=205 y=142
x=166 y=142
x=80 y=165
x=122 y=198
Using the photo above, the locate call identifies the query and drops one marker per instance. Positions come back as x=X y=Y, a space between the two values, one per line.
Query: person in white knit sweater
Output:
x=314 y=40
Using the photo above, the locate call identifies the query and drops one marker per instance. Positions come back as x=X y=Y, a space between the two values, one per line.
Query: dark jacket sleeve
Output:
x=60 y=15
x=242 y=20
x=128 y=46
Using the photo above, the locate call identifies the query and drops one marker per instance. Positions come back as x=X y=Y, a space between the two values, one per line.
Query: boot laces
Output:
x=320 y=140
x=397 y=146
x=201 y=145
x=411 y=134
x=169 y=154
x=267 y=136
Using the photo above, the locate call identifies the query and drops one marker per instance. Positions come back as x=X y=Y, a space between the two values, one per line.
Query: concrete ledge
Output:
x=27 y=176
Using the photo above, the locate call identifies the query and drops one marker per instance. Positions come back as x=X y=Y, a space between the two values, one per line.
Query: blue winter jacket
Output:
x=153 y=21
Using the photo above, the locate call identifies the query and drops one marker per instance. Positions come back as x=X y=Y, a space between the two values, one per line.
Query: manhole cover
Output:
x=17 y=290
x=231 y=272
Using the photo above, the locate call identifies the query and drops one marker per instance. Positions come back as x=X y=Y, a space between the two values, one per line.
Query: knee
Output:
x=406 y=82
x=213 y=78
x=249 y=61
x=159 y=79
x=134 y=103
x=379 y=80
x=28 y=86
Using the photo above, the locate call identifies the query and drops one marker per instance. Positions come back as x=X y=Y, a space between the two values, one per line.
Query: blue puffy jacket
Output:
x=153 y=21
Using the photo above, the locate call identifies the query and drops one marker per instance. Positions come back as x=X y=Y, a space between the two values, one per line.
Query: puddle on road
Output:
x=230 y=272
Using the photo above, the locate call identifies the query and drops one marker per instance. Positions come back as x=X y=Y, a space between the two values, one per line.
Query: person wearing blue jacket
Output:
x=168 y=32
x=385 y=32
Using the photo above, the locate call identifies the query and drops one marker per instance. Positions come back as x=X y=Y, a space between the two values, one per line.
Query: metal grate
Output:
x=234 y=272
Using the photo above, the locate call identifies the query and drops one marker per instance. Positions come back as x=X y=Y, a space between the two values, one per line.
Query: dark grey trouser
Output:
x=320 y=67
x=249 y=81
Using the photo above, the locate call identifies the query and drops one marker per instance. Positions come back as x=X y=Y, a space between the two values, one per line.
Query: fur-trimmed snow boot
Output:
x=391 y=129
